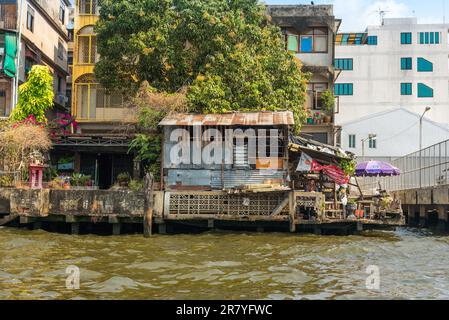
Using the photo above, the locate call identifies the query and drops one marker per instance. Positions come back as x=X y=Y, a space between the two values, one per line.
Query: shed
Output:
x=239 y=150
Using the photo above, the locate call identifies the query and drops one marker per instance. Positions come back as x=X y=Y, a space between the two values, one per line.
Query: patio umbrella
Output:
x=376 y=169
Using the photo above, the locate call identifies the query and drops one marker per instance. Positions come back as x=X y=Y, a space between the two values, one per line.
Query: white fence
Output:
x=426 y=168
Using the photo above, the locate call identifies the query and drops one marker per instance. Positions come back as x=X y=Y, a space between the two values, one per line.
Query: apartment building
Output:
x=387 y=76
x=98 y=148
x=309 y=32
x=42 y=25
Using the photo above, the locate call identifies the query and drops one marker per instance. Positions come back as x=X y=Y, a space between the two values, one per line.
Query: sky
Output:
x=358 y=14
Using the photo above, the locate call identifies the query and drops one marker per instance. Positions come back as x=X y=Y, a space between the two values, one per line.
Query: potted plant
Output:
x=123 y=179
x=317 y=118
x=351 y=207
x=328 y=100
x=309 y=117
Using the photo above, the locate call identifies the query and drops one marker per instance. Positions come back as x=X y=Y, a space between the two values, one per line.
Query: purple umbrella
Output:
x=375 y=169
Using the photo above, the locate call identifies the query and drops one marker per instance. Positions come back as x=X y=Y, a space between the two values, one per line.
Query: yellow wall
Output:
x=102 y=114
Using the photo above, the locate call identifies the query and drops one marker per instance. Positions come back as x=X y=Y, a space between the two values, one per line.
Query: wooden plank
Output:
x=280 y=207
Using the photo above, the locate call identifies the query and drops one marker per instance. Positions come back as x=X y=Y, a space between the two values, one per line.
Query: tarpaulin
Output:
x=333 y=172
x=9 y=64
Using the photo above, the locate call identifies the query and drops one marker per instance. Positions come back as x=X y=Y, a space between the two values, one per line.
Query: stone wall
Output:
x=42 y=203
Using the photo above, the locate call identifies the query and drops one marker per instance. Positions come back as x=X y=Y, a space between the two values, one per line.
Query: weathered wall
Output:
x=123 y=203
x=4 y=200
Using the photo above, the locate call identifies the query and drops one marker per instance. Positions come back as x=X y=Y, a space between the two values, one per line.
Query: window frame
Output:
x=421 y=85
x=313 y=32
x=344 y=89
x=406 y=63
x=30 y=18
x=372 y=143
x=340 y=64
x=62 y=12
x=352 y=143
x=370 y=42
x=406 y=38
x=406 y=89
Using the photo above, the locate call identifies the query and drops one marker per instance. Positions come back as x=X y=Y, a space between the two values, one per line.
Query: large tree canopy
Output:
x=225 y=52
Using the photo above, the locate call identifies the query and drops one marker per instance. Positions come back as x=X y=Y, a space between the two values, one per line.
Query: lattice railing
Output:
x=261 y=204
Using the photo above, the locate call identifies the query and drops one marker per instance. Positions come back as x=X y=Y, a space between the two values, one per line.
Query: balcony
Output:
x=8 y=16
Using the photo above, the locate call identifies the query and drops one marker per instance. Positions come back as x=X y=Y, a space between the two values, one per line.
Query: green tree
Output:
x=226 y=52
x=35 y=96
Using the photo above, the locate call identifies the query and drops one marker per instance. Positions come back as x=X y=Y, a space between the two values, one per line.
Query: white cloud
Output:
x=358 y=14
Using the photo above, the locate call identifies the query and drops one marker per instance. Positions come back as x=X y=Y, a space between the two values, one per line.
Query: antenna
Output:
x=444 y=11
x=382 y=15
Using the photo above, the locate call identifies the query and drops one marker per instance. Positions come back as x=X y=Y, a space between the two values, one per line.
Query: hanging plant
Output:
x=348 y=166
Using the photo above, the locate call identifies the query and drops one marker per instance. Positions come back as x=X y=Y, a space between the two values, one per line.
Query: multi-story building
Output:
x=98 y=148
x=387 y=76
x=42 y=25
x=309 y=32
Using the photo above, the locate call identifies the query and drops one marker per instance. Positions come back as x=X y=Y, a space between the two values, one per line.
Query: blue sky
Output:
x=357 y=14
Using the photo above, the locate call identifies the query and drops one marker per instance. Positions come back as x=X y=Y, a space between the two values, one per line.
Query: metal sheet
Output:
x=230 y=119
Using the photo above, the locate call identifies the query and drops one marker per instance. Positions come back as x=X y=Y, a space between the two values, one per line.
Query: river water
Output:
x=412 y=265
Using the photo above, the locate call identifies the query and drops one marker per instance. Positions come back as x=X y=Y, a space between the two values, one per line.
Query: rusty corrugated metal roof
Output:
x=230 y=119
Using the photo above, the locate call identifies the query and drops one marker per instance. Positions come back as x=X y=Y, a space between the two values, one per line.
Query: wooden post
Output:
x=148 y=214
x=292 y=212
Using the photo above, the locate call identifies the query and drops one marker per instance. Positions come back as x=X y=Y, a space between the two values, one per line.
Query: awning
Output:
x=9 y=64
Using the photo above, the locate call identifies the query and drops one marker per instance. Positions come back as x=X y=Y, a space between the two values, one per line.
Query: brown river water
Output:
x=412 y=264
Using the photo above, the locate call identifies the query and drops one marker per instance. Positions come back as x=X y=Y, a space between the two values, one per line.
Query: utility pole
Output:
x=420 y=144
x=370 y=137
x=19 y=47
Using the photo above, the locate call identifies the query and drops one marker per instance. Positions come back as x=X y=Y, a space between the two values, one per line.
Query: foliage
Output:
x=80 y=180
x=57 y=183
x=328 y=99
x=136 y=185
x=19 y=141
x=348 y=166
x=6 y=181
x=50 y=173
x=61 y=125
x=148 y=149
x=123 y=178
x=35 y=96
x=226 y=53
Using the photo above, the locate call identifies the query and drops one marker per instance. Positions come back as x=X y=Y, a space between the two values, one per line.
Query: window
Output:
x=89 y=7
x=314 y=99
x=344 y=89
x=373 y=143
x=344 y=64
x=406 y=63
x=2 y=102
x=30 y=19
x=372 y=40
x=311 y=41
x=87 y=46
x=424 y=65
x=406 y=38
x=406 y=89
x=91 y=100
x=59 y=84
x=60 y=50
x=424 y=91
x=62 y=12
x=352 y=139
x=429 y=37
x=292 y=42
x=320 y=137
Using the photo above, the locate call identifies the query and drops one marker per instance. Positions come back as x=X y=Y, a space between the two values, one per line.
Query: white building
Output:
x=400 y=65
x=397 y=133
